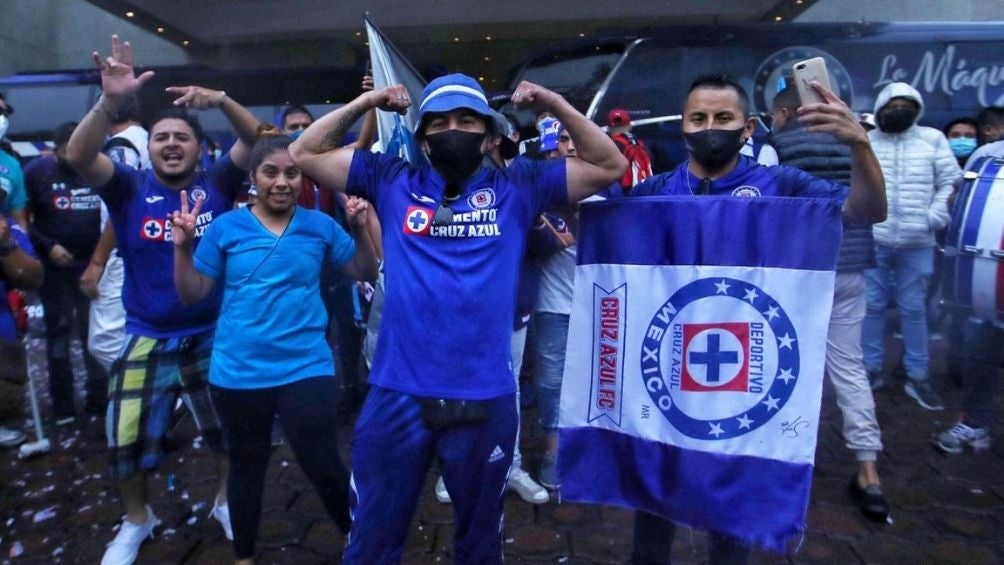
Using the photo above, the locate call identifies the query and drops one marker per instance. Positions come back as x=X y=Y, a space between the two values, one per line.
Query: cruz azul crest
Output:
x=722 y=337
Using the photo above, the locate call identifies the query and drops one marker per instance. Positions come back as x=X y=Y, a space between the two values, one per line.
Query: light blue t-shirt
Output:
x=272 y=324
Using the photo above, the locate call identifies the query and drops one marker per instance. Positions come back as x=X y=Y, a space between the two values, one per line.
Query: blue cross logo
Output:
x=417 y=220
x=713 y=358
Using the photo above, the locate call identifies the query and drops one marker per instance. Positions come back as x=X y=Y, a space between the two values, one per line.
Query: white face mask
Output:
x=4 y=124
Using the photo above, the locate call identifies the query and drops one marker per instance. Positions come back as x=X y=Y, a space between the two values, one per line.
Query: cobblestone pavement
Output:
x=61 y=508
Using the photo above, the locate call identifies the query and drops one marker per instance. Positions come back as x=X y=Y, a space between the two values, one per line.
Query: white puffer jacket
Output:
x=919 y=170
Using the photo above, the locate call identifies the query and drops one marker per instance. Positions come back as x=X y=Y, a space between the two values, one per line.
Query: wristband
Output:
x=223 y=96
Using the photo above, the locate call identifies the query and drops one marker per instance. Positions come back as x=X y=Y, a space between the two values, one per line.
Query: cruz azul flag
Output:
x=695 y=359
x=396 y=132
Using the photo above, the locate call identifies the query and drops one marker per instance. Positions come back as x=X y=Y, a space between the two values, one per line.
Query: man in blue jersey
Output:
x=453 y=236
x=716 y=125
x=167 y=343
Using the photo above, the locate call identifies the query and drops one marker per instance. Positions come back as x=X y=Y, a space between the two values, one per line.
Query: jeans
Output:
x=902 y=274
x=552 y=339
x=845 y=369
x=979 y=354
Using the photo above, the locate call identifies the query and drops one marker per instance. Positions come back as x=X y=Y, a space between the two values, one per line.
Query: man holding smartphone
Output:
x=716 y=124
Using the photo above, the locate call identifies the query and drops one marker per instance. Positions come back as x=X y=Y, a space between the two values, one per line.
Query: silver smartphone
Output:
x=806 y=72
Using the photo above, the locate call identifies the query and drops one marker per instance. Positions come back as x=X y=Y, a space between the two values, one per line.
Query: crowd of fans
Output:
x=165 y=269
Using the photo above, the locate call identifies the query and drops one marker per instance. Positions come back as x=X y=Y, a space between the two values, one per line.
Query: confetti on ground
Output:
x=46 y=514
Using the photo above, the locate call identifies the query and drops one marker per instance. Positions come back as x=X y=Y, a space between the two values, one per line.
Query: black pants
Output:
x=66 y=315
x=653 y=543
x=306 y=411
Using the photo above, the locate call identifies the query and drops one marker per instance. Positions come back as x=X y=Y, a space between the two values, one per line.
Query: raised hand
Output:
x=392 y=98
x=534 y=96
x=183 y=222
x=117 y=76
x=355 y=211
x=197 y=97
x=833 y=117
x=367 y=83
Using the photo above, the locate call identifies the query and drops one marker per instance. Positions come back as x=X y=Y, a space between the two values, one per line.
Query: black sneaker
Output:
x=924 y=394
x=870 y=499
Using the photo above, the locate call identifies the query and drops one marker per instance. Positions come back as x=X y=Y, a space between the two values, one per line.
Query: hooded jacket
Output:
x=919 y=171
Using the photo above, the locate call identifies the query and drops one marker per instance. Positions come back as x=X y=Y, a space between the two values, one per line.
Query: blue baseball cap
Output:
x=451 y=92
x=550 y=129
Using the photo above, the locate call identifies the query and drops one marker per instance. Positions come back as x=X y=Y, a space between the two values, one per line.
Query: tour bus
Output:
x=957 y=68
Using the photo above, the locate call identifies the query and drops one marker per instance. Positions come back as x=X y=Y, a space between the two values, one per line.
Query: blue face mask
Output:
x=295 y=134
x=962 y=146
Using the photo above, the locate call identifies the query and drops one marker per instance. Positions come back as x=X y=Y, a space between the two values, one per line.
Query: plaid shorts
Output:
x=143 y=389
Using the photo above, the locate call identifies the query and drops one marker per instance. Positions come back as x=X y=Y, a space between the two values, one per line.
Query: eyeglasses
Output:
x=444 y=215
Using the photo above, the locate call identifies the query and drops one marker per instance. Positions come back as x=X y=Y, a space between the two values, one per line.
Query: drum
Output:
x=975 y=245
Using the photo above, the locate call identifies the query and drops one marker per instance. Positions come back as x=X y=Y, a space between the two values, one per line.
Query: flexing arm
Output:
x=866 y=202
x=599 y=162
x=192 y=286
x=245 y=124
x=316 y=152
x=118 y=82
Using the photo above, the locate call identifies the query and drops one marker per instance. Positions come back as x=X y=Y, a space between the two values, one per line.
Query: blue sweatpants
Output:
x=391 y=453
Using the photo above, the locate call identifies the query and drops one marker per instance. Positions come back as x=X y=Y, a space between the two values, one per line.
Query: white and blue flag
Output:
x=695 y=360
x=395 y=132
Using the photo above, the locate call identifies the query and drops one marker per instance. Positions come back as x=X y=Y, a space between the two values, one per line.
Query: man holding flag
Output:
x=701 y=471
x=454 y=231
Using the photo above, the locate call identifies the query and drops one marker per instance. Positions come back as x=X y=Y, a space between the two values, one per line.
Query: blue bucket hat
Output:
x=450 y=92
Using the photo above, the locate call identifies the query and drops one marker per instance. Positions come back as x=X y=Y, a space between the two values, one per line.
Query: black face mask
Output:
x=896 y=120
x=455 y=154
x=714 y=148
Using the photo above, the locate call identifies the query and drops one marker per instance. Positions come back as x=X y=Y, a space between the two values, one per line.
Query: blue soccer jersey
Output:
x=139 y=205
x=748 y=179
x=272 y=327
x=450 y=289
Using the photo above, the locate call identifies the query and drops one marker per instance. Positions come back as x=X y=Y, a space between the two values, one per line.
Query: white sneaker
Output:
x=441 y=494
x=523 y=484
x=10 y=437
x=125 y=547
x=222 y=515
